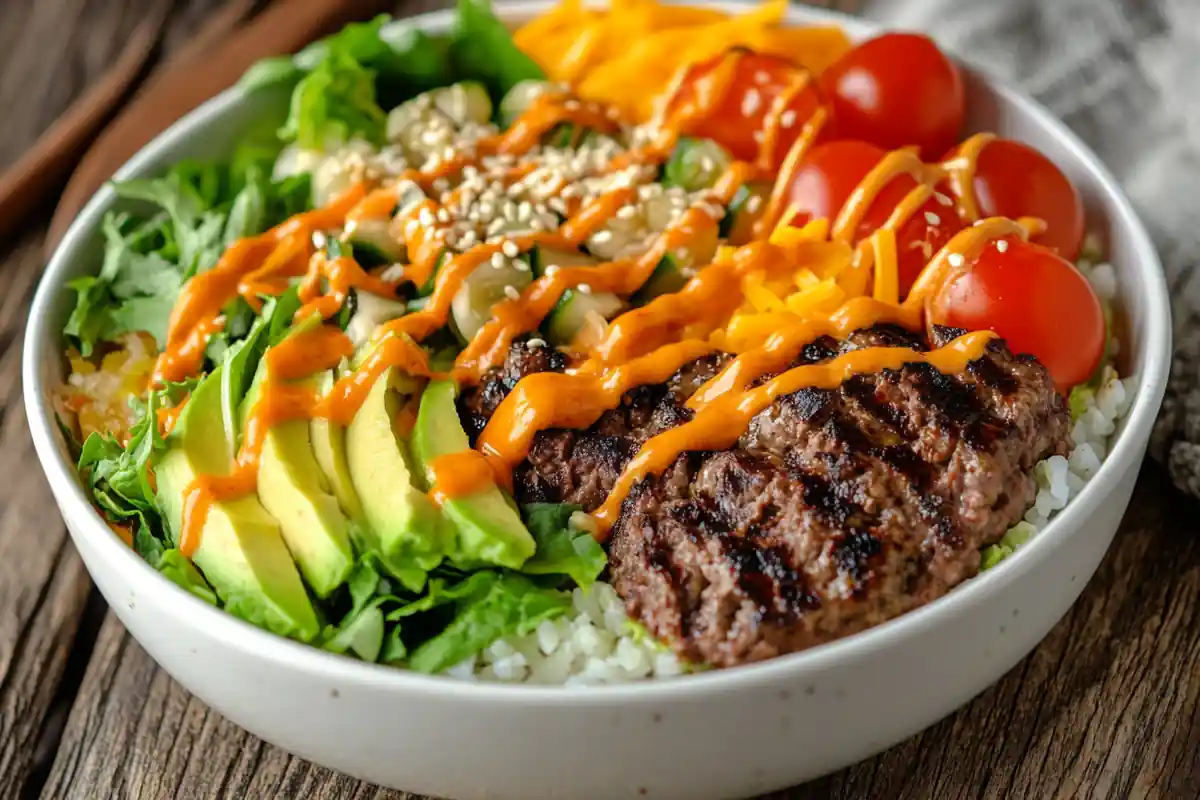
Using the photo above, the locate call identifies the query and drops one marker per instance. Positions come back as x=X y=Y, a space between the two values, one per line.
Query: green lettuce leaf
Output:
x=333 y=103
x=560 y=549
x=196 y=210
x=482 y=49
x=506 y=604
x=183 y=573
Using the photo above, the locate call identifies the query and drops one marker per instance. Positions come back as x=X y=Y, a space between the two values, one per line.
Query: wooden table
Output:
x=1107 y=706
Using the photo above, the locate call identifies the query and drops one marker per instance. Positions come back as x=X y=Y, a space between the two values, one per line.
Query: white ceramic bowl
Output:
x=722 y=734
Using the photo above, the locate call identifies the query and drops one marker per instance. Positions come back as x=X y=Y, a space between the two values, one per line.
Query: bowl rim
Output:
x=42 y=341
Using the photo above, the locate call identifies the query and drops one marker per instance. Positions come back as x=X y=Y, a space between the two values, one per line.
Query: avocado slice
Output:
x=488 y=529
x=291 y=488
x=329 y=448
x=404 y=526
x=241 y=551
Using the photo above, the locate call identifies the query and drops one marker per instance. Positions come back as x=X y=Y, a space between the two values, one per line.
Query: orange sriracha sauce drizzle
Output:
x=644 y=345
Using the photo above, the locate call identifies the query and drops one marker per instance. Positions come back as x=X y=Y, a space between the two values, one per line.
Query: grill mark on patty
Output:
x=854 y=553
x=820 y=349
x=862 y=389
x=765 y=575
x=955 y=404
x=990 y=374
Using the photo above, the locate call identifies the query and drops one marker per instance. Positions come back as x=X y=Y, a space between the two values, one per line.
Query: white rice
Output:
x=594 y=643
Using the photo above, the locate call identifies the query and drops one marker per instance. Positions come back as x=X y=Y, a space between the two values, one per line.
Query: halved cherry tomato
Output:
x=738 y=119
x=830 y=174
x=897 y=90
x=1014 y=180
x=1033 y=298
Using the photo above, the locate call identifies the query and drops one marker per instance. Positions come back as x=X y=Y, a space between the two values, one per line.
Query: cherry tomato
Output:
x=1014 y=180
x=896 y=90
x=830 y=174
x=1033 y=298
x=738 y=120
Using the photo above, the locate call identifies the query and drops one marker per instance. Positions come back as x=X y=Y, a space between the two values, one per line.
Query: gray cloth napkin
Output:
x=1124 y=75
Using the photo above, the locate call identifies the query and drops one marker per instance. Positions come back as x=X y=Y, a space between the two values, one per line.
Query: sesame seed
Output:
x=681 y=253
x=626 y=212
x=788 y=118
x=410 y=229
x=955 y=260
x=1002 y=245
x=943 y=199
x=318 y=238
x=932 y=218
x=757 y=136
x=753 y=203
x=509 y=209
x=511 y=293
x=444 y=198
x=468 y=240
x=443 y=215
x=497 y=261
x=706 y=163
x=441 y=185
x=751 y=102
x=762 y=78
x=551 y=270
x=520 y=265
x=602 y=236
x=584 y=288
x=510 y=249
x=536 y=343
x=495 y=226
x=571 y=105
x=486 y=209
x=425 y=217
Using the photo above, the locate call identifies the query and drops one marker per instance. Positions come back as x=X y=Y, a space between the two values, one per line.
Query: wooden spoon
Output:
x=212 y=62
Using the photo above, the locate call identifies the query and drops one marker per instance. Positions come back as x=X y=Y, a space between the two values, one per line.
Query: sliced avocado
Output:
x=291 y=487
x=329 y=448
x=405 y=527
x=489 y=530
x=241 y=550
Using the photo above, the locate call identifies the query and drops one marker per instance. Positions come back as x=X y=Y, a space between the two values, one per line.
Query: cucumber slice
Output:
x=744 y=210
x=371 y=311
x=542 y=257
x=471 y=307
x=520 y=97
x=577 y=310
x=463 y=102
x=696 y=164
x=373 y=243
x=667 y=278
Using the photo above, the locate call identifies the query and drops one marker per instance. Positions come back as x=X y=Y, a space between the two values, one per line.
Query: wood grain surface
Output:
x=1107 y=707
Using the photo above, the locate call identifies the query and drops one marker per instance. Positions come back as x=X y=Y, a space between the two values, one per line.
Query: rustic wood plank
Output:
x=1107 y=706
x=44 y=588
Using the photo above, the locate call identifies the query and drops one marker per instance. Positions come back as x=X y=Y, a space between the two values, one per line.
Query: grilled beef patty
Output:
x=836 y=510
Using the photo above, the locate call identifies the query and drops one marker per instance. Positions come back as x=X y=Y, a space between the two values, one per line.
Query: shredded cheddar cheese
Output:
x=628 y=55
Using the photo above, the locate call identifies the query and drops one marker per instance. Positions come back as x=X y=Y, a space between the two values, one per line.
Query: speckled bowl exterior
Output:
x=729 y=733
